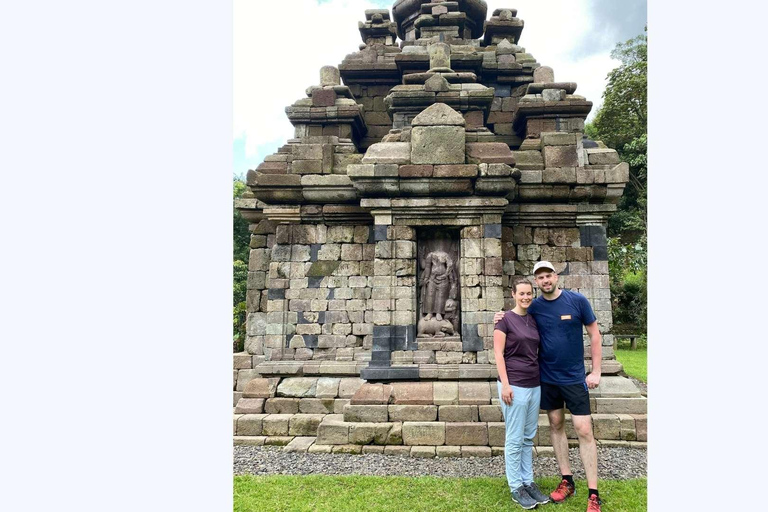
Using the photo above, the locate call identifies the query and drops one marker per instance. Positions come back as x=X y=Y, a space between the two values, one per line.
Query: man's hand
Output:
x=593 y=380
x=507 y=394
x=497 y=317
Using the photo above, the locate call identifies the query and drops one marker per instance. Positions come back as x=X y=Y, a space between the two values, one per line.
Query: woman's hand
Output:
x=507 y=394
x=497 y=317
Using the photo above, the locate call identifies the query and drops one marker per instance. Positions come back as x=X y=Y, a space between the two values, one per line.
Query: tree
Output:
x=240 y=243
x=621 y=123
x=239 y=224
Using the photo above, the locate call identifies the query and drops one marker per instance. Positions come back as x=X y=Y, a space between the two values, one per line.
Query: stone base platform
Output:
x=442 y=365
x=467 y=398
x=308 y=444
x=332 y=429
x=349 y=411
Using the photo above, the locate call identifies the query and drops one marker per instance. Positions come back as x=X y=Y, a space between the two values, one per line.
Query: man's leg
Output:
x=587 y=447
x=559 y=439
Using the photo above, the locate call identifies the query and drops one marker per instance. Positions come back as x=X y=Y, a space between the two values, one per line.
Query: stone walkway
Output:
x=613 y=463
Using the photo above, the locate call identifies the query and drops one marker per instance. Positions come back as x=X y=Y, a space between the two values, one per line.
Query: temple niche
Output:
x=427 y=170
x=438 y=284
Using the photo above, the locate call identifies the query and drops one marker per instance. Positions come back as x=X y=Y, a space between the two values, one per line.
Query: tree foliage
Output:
x=621 y=123
x=239 y=224
x=241 y=239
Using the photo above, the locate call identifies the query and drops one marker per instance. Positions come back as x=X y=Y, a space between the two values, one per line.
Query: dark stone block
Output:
x=566 y=271
x=588 y=144
x=374 y=374
x=310 y=340
x=470 y=340
x=288 y=339
x=314 y=282
x=276 y=294
x=492 y=231
x=380 y=358
x=321 y=317
x=382 y=344
x=592 y=236
x=379 y=233
x=371 y=237
x=600 y=253
x=382 y=334
x=502 y=91
x=331 y=294
x=313 y=250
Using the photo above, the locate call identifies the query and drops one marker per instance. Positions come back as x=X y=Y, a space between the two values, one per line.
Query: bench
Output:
x=632 y=340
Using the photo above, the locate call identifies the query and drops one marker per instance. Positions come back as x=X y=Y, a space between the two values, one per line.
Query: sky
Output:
x=279 y=48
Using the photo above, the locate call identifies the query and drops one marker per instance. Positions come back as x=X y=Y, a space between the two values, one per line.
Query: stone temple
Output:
x=427 y=170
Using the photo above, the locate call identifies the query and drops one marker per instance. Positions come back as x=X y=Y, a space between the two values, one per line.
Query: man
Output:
x=560 y=315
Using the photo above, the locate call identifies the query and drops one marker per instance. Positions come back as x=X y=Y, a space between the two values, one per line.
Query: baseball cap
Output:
x=543 y=264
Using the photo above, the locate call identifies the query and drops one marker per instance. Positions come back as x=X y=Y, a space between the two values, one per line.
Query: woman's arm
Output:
x=499 y=340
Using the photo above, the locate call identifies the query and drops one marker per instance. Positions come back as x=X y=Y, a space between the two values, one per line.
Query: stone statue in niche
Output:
x=438 y=281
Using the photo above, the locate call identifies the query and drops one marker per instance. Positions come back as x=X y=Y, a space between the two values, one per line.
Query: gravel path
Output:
x=613 y=463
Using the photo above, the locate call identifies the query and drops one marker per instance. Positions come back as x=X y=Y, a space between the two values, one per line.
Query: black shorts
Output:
x=576 y=397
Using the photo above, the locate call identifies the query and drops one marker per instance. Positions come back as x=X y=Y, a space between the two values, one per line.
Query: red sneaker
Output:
x=593 y=505
x=563 y=491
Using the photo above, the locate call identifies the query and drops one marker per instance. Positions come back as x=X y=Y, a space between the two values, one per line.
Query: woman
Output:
x=516 y=346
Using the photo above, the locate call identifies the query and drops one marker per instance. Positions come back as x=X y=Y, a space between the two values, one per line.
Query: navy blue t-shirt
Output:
x=560 y=321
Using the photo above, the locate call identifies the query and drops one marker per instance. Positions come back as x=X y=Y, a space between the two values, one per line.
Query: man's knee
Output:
x=556 y=420
x=583 y=427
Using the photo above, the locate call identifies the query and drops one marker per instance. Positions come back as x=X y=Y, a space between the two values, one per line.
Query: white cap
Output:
x=543 y=264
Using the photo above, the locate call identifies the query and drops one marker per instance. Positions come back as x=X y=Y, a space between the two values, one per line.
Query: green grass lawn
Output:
x=635 y=362
x=401 y=494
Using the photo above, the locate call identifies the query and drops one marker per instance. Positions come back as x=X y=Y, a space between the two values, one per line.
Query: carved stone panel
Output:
x=438 y=283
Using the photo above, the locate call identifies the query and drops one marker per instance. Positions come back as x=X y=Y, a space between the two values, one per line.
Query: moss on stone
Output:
x=323 y=268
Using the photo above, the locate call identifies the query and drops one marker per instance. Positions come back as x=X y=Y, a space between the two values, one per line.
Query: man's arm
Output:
x=596 y=341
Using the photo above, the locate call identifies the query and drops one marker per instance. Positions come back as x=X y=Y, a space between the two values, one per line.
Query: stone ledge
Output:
x=300 y=444
x=312 y=367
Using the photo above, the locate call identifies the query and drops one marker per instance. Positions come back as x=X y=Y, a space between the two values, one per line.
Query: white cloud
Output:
x=280 y=47
x=552 y=30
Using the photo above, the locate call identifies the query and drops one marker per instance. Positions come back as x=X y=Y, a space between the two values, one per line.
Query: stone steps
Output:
x=332 y=429
x=309 y=444
x=452 y=401
x=441 y=365
x=348 y=413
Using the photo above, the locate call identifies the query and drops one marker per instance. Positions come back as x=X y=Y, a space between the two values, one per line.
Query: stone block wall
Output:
x=503 y=108
x=580 y=257
x=481 y=286
x=378 y=122
x=394 y=287
x=319 y=302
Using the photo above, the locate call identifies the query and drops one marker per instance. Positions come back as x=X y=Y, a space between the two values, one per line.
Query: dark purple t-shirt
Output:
x=521 y=352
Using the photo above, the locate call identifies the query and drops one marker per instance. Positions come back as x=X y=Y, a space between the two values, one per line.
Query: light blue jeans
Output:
x=521 y=420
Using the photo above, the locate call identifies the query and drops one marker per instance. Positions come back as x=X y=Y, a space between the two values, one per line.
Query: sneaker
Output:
x=593 y=505
x=534 y=492
x=521 y=497
x=563 y=491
